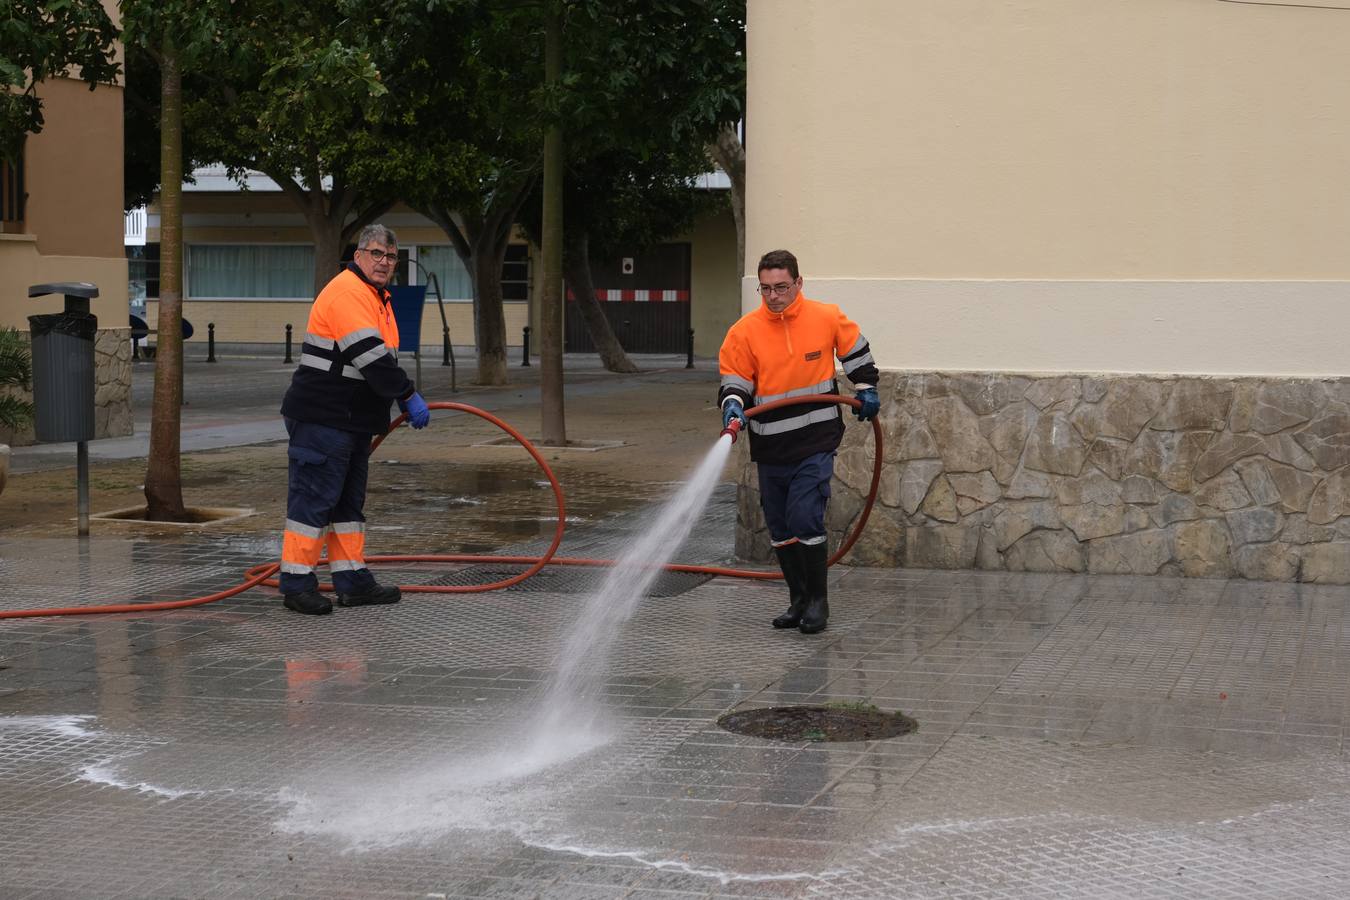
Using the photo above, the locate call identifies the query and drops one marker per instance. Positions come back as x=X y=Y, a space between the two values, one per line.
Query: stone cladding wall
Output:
x=112 y=389
x=1202 y=477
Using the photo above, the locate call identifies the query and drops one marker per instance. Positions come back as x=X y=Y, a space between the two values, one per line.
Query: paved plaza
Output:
x=1079 y=736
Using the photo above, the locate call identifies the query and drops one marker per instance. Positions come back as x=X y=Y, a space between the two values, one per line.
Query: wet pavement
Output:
x=1079 y=736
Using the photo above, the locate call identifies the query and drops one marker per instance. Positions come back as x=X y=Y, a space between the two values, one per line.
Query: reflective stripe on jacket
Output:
x=349 y=372
x=768 y=356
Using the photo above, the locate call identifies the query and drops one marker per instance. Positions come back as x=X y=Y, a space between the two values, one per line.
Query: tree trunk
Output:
x=554 y=432
x=481 y=246
x=577 y=270
x=485 y=265
x=730 y=155
x=327 y=236
x=163 y=473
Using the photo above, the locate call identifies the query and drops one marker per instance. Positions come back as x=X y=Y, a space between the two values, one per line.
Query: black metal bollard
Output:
x=445 y=345
x=525 y=355
x=210 y=341
x=690 y=363
x=288 y=342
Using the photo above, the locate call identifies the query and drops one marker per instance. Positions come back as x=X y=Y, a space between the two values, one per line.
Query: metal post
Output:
x=525 y=360
x=690 y=363
x=210 y=341
x=445 y=345
x=288 y=342
x=82 y=480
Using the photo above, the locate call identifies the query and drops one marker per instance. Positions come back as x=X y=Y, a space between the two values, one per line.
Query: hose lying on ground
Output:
x=262 y=574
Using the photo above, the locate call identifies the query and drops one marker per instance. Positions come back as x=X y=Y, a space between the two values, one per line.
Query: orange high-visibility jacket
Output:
x=767 y=356
x=349 y=372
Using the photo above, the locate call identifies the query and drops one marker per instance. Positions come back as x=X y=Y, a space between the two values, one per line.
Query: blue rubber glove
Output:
x=419 y=416
x=732 y=409
x=871 y=404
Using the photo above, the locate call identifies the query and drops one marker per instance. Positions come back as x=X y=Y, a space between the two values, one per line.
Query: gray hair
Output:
x=376 y=232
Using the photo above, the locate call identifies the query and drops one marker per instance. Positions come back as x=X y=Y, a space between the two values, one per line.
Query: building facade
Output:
x=61 y=220
x=1097 y=249
x=249 y=261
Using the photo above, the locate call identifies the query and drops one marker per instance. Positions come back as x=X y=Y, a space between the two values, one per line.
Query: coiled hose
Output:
x=262 y=574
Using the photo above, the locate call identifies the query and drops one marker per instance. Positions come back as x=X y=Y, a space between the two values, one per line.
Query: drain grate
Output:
x=831 y=723
x=567 y=580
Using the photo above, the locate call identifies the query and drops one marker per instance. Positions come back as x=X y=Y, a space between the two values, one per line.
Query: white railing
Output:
x=133 y=227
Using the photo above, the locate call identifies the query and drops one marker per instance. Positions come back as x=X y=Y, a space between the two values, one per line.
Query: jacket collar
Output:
x=793 y=309
x=381 y=292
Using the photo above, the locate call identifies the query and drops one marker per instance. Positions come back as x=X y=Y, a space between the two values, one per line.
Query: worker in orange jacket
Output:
x=338 y=401
x=786 y=348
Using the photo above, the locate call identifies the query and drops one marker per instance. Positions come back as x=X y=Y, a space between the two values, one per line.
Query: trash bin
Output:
x=63 y=364
x=408 y=300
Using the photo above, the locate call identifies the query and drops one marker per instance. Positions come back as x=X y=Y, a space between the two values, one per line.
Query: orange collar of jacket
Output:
x=793 y=310
x=381 y=292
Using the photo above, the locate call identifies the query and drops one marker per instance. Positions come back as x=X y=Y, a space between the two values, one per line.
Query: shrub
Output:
x=16 y=370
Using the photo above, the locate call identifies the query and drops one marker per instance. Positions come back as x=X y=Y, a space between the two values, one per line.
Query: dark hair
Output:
x=779 y=259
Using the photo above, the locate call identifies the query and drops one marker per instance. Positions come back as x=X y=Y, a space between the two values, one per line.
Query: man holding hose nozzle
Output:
x=338 y=401
x=786 y=348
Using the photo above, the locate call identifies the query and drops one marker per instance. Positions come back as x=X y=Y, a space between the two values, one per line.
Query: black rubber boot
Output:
x=310 y=603
x=794 y=576
x=376 y=594
x=815 y=565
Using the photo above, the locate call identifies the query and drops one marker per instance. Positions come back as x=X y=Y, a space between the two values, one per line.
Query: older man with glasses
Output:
x=786 y=348
x=338 y=401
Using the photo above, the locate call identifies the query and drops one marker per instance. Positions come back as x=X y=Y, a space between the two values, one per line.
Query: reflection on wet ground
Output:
x=1080 y=735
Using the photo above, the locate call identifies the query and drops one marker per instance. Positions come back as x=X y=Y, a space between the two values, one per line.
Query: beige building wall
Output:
x=1147 y=186
x=714 y=285
x=73 y=217
x=262 y=217
x=265 y=321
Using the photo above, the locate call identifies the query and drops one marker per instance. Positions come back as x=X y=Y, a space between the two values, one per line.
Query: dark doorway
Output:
x=646 y=299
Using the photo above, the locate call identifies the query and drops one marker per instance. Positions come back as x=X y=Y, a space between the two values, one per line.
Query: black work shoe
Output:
x=816 y=615
x=374 y=595
x=311 y=603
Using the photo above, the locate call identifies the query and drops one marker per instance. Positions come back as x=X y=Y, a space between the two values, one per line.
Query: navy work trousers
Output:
x=326 y=493
x=794 y=497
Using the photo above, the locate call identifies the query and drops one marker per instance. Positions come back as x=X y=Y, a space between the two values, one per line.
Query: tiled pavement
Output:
x=1079 y=736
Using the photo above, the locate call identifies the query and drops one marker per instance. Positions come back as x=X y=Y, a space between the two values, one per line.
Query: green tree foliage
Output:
x=41 y=40
x=643 y=80
x=495 y=86
x=326 y=98
x=648 y=86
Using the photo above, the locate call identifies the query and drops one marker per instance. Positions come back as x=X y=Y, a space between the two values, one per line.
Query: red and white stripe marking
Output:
x=616 y=295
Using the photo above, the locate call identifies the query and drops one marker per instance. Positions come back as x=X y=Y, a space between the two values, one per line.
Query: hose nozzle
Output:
x=733 y=429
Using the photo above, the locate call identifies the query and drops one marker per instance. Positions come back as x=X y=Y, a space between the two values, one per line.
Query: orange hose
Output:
x=261 y=574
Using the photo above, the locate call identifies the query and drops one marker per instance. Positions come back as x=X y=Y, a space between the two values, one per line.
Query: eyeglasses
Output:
x=769 y=290
x=379 y=255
